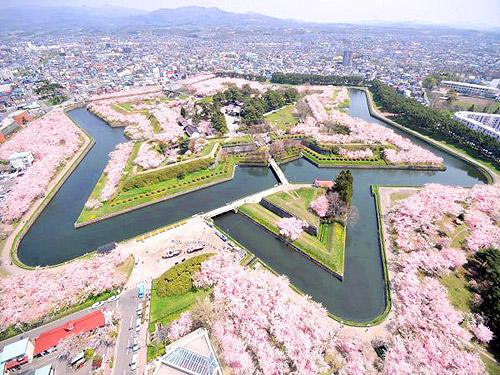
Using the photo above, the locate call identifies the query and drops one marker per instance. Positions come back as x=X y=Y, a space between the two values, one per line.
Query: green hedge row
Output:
x=332 y=157
x=179 y=279
x=154 y=177
x=154 y=193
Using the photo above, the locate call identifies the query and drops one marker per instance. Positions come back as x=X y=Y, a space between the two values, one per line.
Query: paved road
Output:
x=128 y=312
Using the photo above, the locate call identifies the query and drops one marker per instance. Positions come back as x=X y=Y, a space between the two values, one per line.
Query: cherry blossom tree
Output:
x=320 y=206
x=402 y=150
x=52 y=139
x=180 y=327
x=148 y=157
x=263 y=325
x=118 y=159
x=356 y=154
x=43 y=292
x=291 y=227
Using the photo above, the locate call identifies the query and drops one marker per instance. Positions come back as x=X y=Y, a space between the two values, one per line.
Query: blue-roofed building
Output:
x=192 y=354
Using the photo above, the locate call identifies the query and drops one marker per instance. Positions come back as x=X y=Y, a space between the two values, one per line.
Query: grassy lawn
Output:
x=458 y=293
x=459 y=236
x=297 y=203
x=283 y=118
x=247 y=138
x=127 y=266
x=492 y=368
x=155 y=124
x=166 y=309
x=495 y=168
x=328 y=249
x=206 y=100
x=164 y=189
x=399 y=196
x=171 y=297
x=123 y=107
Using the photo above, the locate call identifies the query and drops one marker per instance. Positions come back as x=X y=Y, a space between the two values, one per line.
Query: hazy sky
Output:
x=468 y=12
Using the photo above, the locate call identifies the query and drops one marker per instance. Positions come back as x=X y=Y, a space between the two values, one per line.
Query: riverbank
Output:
x=10 y=262
x=327 y=252
x=491 y=175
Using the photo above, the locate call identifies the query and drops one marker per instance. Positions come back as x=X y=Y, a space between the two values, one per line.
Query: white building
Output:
x=485 y=123
x=16 y=354
x=21 y=160
x=471 y=89
x=192 y=354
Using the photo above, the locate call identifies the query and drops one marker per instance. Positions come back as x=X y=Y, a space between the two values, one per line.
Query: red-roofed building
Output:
x=21 y=117
x=86 y=323
x=324 y=183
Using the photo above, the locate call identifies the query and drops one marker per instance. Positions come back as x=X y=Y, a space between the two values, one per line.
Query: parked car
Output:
x=195 y=249
x=171 y=254
x=138 y=324
x=139 y=309
x=113 y=298
x=135 y=345
x=133 y=362
x=97 y=305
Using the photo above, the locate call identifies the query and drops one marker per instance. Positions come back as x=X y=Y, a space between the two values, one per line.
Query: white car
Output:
x=138 y=324
x=133 y=362
x=171 y=254
x=97 y=305
x=139 y=309
x=113 y=298
x=135 y=345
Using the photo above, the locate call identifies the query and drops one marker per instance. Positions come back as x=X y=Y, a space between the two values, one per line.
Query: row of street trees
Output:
x=434 y=123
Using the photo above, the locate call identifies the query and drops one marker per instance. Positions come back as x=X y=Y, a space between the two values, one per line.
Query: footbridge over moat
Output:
x=254 y=198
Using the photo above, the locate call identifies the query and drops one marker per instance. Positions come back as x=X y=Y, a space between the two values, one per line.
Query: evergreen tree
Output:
x=343 y=186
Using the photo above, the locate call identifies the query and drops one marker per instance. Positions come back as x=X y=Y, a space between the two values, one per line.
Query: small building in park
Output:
x=20 y=161
x=324 y=183
x=16 y=354
x=192 y=354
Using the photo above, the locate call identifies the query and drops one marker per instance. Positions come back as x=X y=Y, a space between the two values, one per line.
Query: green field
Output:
x=458 y=293
x=247 y=138
x=283 y=118
x=166 y=309
x=328 y=249
x=297 y=202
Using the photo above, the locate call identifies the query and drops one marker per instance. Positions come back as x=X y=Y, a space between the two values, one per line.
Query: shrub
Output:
x=174 y=171
x=178 y=279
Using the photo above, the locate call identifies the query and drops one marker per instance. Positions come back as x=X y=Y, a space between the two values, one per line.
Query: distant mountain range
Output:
x=69 y=18
x=32 y=18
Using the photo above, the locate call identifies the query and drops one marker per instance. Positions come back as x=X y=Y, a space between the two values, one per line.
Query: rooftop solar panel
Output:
x=191 y=362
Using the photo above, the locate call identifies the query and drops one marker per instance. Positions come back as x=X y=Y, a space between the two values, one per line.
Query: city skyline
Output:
x=484 y=14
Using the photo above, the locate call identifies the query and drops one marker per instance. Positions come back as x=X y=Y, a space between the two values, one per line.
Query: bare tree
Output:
x=303 y=109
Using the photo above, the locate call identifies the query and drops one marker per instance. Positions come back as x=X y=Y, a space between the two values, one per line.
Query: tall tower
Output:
x=347 y=59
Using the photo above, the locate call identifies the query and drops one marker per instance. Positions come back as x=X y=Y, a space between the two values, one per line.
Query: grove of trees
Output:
x=253 y=105
x=316 y=79
x=434 y=123
x=485 y=268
